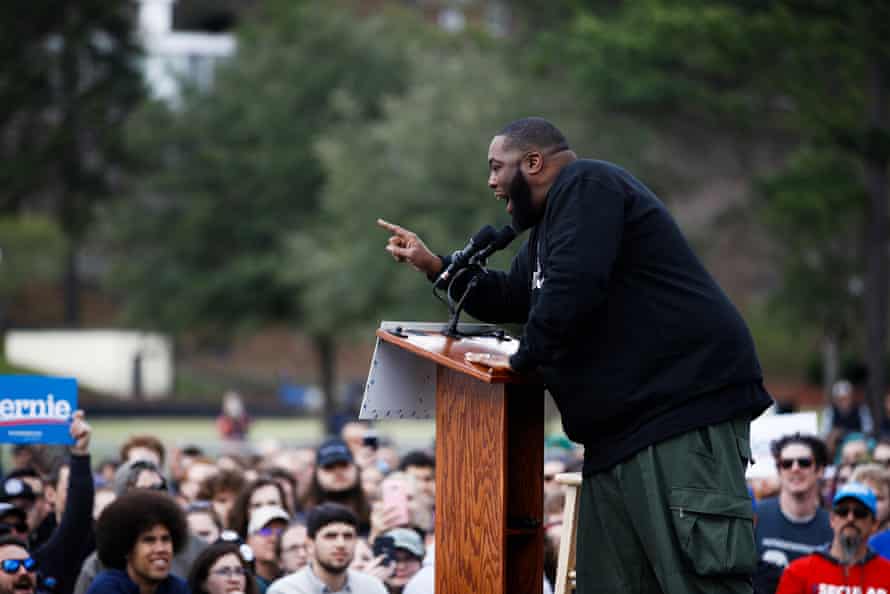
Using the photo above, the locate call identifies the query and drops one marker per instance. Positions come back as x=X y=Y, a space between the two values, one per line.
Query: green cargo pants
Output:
x=675 y=518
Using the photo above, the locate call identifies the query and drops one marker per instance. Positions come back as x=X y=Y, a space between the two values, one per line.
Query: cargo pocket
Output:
x=715 y=530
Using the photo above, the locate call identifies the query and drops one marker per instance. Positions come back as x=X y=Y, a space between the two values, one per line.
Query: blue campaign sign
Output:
x=36 y=409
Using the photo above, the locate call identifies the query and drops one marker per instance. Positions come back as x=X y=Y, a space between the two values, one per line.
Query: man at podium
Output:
x=653 y=369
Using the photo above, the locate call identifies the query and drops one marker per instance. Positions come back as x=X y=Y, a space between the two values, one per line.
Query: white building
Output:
x=171 y=56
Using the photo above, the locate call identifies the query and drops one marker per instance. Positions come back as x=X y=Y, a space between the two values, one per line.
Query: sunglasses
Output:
x=859 y=512
x=269 y=531
x=11 y=566
x=788 y=463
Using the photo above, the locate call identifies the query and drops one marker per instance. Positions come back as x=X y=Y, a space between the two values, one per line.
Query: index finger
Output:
x=391 y=227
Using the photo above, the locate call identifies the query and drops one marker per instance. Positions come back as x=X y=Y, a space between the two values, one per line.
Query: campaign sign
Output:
x=35 y=409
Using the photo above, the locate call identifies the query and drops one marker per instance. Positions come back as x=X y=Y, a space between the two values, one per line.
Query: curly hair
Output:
x=816 y=445
x=201 y=567
x=132 y=514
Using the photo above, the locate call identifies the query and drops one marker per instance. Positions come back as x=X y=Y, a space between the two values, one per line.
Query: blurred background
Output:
x=188 y=188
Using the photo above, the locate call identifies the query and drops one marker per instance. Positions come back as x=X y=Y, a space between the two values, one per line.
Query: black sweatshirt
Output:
x=634 y=339
x=73 y=540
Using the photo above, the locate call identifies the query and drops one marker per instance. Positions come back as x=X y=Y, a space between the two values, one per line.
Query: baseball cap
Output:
x=331 y=452
x=263 y=515
x=409 y=540
x=860 y=493
x=16 y=487
x=8 y=508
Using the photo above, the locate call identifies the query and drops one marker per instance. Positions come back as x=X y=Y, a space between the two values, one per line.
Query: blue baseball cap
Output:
x=860 y=493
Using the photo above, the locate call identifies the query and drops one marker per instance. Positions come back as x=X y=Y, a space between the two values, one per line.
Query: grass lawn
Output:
x=109 y=433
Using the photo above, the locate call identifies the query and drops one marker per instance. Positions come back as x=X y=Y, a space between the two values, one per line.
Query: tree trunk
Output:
x=877 y=282
x=830 y=364
x=325 y=347
x=71 y=285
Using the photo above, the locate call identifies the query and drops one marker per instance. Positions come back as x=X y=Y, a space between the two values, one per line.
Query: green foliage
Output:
x=231 y=172
x=422 y=166
x=815 y=204
x=31 y=249
x=68 y=79
x=790 y=70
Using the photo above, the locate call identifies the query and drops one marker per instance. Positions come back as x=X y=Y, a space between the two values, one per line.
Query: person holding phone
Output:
x=403 y=552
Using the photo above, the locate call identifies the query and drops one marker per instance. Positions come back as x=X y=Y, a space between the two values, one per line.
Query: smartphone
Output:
x=386 y=546
x=371 y=439
x=394 y=496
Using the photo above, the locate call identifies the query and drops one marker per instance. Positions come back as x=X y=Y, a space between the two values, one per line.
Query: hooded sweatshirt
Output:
x=633 y=338
x=820 y=573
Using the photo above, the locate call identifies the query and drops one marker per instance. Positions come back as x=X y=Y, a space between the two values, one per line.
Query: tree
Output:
x=816 y=72
x=31 y=249
x=69 y=80
x=228 y=174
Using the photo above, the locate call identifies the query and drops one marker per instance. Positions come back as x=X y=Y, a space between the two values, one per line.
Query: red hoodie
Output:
x=821 y=574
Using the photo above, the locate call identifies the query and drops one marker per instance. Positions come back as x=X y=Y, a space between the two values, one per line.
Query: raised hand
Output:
x=406 y=246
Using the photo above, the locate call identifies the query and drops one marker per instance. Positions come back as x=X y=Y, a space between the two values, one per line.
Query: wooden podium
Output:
x=489 y=467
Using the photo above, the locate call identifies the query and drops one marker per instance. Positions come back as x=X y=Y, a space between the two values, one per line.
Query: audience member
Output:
x=422 y=467
x=220 y=569
x=793 y=524
x=143 y=447
x=337 y=479
x=876 y=478
x=292 y=548
x=19 y=575
x=140 y=476
x=332 y=531
x=203 y=521
x=407 y=558
x=136 y=538
x=72 y=541
x=265 y=526
x=854 y=449
x=222 y=489
x=848 y=566
x=843 y=413
x=198 y=471
x=259 y=493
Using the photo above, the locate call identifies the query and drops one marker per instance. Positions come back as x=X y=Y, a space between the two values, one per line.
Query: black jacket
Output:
x=73 y=539
x=634 y=339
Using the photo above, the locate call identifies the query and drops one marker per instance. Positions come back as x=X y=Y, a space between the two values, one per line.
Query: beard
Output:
x=850 y=541
x=525 y=215
x=334 y=569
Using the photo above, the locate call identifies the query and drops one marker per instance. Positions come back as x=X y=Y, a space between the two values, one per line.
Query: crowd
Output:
x=352 y=514
x=355 y=514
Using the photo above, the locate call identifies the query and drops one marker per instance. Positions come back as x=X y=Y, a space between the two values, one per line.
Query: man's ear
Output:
x=534 y=162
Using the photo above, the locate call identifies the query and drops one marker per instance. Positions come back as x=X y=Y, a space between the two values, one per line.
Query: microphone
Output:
x=506 y=235
x=460 y=258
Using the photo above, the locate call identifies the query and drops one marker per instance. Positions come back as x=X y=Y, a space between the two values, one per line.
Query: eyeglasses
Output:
x=787 y=463
x=884 y=462
x=269 y=531
x=228 y=572
x=859 y=512
x=11 y=566
x=199 y=505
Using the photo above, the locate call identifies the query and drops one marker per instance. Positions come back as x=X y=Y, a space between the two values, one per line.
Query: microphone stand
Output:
x=451 y=329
